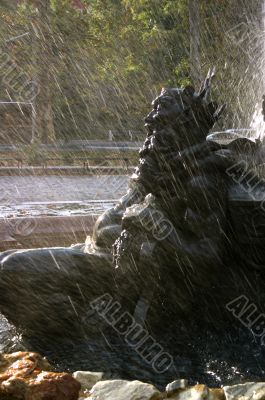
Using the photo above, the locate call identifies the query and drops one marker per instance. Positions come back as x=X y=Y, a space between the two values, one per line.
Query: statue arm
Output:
x=198 y=151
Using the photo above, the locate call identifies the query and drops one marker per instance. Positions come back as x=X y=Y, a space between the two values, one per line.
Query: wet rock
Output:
x=246 y=391
x=87 y=379
x=216 y=394
x=13 y=388
x=124 y=390
x=198 y=392
x=54 y=386
x=21 y=362
x=24 y=376
x=176 y=385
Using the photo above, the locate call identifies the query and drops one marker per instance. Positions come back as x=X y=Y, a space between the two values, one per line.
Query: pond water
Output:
x=201 y=357
x=59 y=195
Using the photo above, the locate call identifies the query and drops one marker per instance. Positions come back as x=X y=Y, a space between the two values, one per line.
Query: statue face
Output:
x=170 y=109
x=183 y=111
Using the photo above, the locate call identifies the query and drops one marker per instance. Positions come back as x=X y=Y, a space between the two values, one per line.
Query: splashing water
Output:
x=257 y=124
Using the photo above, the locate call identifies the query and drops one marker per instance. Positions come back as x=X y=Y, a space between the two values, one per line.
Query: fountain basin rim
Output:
x=229 y=135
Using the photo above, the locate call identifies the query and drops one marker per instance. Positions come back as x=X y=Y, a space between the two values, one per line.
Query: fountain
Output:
x=183 y=243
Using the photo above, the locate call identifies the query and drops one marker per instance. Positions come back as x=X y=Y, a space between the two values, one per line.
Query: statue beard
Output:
x=183 y=132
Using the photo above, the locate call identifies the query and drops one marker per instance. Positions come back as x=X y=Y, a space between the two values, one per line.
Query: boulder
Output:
x=198 y=392
x=216 y=394
x=124 y=390
x=176 y=385
x=87 y=379
x=245 y=391
x=26 y=376
x=53 y=386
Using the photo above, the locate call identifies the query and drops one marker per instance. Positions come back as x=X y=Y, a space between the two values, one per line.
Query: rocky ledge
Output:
x=28 y=376
x=177 y=390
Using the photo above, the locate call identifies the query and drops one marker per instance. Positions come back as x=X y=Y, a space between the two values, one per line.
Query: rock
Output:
x=245 y=391
x=216 y=394
x=84 y=396
x=54 y=386
x=198 y=392
x=124 y=390
x=87 y=379
x=259 y=395
x=13 y=388
x=21 y=361
x=176 y=385
x=22 y=378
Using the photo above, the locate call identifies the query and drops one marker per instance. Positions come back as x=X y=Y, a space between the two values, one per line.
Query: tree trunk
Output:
x=43 y=127
x=195 y=59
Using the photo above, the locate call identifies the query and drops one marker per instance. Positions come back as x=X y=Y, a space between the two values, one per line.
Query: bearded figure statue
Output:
x=172 y=245
x=169 y=248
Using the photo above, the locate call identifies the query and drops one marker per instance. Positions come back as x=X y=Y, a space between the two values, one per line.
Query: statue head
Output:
x=185 y=111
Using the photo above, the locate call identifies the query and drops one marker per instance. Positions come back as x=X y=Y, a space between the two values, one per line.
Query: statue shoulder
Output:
x=235 y=147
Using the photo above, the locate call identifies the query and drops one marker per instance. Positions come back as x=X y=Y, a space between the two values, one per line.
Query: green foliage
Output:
x=182 y=72
x=109 y=60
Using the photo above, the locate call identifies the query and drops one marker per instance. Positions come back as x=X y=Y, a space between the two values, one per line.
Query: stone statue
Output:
x=174 y=243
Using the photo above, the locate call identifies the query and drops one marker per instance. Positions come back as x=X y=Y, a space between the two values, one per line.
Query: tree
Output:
x=43 y=126
x=195 y=59
x=99 y=63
